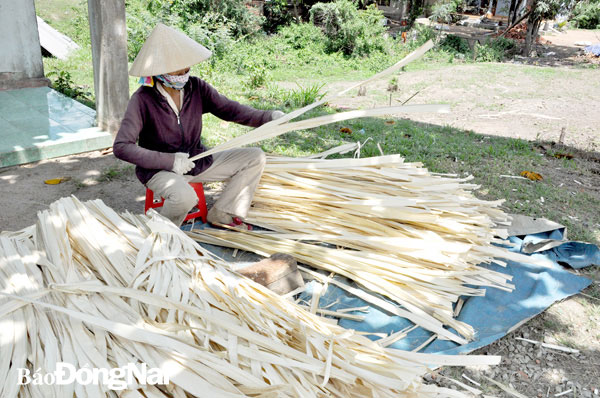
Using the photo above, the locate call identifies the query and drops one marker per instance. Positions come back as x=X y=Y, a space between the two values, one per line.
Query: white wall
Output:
x=20 y=52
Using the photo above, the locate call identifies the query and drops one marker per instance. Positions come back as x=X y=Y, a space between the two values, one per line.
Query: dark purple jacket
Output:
x=150 y=133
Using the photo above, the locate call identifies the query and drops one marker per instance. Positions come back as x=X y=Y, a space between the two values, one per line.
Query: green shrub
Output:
x=212 y=31
x=212 y=23
x=302 y=35
x=586 y=14
x=139 y=25
x=190 y=12
x=485 y=53
x=257 y=76
x=421 y=34
x=63 y=83
x=494 y=50
x=459 y=5
x=276 y=15
x=503 y=44
x=349 y=30
x=455 y=44
x=442 y=11
x=302 y=96
x=371 y=38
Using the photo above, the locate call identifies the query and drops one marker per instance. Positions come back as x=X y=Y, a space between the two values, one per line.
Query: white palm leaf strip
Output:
x=282 y=125
x=87 y=286
x=400 y=231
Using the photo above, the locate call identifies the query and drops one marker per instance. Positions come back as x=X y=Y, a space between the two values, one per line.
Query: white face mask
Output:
x=174 y=81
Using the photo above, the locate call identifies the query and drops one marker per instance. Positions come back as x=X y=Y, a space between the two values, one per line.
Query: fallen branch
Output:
x=551 y=346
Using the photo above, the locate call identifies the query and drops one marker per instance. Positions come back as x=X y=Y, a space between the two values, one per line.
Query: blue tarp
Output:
x=574 y=254
x=593 y=49
x=492 y=316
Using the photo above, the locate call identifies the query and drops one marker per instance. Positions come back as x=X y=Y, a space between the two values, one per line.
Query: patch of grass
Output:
x=551 y=325
x=78 y=184
x=70 y=17
x=569 y=342
x=543 y=72
x=273 y=97
x=302 y=96
x=116 y=172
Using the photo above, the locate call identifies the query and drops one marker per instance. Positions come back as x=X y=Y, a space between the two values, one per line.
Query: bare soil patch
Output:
x=527 y=102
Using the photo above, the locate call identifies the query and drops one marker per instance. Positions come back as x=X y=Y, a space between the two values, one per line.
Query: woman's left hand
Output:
x=277 y=114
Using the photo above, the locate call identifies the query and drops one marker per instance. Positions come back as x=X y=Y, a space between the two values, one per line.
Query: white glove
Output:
x=276 y=115
x=182 y=163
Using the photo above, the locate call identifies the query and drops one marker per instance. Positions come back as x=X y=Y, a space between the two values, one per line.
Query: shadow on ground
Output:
x=536 y=371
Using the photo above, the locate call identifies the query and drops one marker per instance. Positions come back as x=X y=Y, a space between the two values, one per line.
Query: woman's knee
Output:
x=259 y=156
x=184 y=197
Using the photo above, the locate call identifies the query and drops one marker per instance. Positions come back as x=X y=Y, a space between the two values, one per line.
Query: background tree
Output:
x=513 y=12
x=540 y=10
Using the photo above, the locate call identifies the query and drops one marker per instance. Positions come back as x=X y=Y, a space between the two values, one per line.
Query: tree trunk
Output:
x=296 y=13
x=518 y=5
x=533 y=27
x=535 y=31
x=513 y=4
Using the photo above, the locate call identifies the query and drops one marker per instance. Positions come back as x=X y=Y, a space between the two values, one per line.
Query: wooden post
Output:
x=109 y=54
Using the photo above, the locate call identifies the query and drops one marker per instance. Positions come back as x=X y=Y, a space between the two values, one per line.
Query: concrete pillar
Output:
x=109 y=54
x=20 y=52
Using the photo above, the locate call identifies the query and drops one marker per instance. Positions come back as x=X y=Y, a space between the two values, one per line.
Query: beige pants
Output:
x=241 y=169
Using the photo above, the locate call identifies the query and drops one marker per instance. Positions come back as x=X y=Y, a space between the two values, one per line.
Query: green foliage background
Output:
x=586 y=14
x=349 y=30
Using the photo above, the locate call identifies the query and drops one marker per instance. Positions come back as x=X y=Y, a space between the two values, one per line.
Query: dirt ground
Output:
x=499 y=99
x=93 y=175
x=508 y=100
x=564 y=47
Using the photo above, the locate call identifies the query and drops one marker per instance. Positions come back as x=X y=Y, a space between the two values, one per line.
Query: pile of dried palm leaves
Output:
x=390 y=226
x=90 y=287
x=401 y=232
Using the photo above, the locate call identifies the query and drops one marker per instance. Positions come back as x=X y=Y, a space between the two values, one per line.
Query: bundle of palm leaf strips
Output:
x=92 y=288
x=392 y=227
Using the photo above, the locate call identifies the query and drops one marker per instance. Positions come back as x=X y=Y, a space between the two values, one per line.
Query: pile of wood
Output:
x=392 y=227
x=519 y=33
x=92 y=288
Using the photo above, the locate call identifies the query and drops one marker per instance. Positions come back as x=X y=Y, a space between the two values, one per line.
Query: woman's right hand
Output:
x=182 y=163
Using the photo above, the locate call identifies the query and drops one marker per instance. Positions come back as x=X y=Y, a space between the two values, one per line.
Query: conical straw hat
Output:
x=167 y=50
